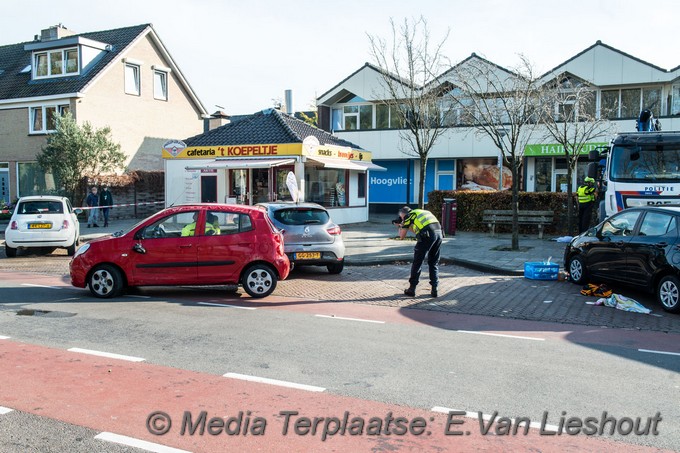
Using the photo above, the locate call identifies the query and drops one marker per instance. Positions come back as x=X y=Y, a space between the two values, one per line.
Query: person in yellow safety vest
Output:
x=429 y=237
x=586 y=201
x=190 y=228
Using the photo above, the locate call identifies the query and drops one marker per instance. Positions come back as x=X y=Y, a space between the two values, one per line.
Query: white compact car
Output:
x=45 y=222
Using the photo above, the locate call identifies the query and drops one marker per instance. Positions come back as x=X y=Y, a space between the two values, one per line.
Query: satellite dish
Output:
x=291 y=183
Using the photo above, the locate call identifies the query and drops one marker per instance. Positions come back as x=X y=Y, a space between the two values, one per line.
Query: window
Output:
x=44 y=118
x=132 y=79
x=657 y=224
x=630 y=103
x=366 y=116
x=609 y=104
x=351 y=117
x=160 y=85
x=220 y=223
x=361 y=185
x=326 y=186
x=59 y=62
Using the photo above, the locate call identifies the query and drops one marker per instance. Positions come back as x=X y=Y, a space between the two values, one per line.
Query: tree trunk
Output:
x=421 y=183
x=515 y=206
x=570 y=203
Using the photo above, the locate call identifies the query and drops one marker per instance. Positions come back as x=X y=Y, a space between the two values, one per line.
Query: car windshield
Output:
x=645 y=163
x=301 y=216
x=41 y=207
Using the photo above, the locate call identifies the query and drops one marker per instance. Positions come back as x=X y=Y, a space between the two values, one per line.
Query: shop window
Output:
x=543 y=174
x=282 y=191
x=326 y=186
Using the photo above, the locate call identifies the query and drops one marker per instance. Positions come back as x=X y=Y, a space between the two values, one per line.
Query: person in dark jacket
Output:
x=429 y=238
x=105 y=201
x=92 y=202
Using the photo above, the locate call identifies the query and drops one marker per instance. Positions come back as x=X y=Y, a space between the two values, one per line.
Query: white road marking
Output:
x=445 y=410
x=137 y=443
x=659 y=352
x=350 y=319
x=501 y=335
x=41 y=286
x=107 y=354
x=138 y=296
x=5 y=410
x=2 y=337
x=226 y=305
x=263 y=380
x=14 y=304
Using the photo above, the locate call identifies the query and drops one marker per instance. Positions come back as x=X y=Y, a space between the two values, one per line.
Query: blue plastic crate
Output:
x=541 y=270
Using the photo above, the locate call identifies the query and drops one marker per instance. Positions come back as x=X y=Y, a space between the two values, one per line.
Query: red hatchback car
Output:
x=202 y=244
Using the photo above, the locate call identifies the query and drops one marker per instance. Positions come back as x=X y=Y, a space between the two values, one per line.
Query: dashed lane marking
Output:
x=2 y=337
x=5 y=410
x=486 y=417
x=262 y=380
x=137 y=443
x=501 y=335
x=227 y=306
x=350 y=319
x=110 y=355
x=659 y=352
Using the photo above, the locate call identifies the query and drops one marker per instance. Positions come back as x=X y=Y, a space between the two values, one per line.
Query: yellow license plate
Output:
x=307 y=255
x=39 y=226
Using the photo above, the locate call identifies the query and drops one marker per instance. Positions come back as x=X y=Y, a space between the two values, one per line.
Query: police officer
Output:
x=429 y=237
x=586 y=201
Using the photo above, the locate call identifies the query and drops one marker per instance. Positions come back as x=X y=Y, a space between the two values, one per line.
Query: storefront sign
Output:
x=389 y=186
x=555 y=149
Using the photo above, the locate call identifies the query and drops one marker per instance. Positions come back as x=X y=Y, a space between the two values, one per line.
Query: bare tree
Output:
x=570 y=119
x=502 y=105
x=409 y=65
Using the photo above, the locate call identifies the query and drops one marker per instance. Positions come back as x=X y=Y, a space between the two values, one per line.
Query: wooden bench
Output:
x=539 y=218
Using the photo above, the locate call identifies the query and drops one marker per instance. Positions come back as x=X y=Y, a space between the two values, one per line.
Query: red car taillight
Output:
x=278 y=238
x=64 y=226
x=14 y=225
x=334 y=230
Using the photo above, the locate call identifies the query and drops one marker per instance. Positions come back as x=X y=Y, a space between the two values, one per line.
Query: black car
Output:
x=636 y=247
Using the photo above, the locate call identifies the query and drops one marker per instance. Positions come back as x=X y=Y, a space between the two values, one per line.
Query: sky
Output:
x=241 y=56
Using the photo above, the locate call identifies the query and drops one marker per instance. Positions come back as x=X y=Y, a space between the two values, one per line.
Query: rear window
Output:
x=40 y=207
x=301 y=216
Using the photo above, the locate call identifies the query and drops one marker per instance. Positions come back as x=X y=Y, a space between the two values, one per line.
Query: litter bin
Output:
x=449 y=216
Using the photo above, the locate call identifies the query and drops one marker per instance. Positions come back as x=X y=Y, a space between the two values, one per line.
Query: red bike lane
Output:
x=110 y=395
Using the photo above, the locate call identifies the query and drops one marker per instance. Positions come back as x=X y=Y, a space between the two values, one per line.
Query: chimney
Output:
x=55 y=32
x=217 y=119
x=289 y=101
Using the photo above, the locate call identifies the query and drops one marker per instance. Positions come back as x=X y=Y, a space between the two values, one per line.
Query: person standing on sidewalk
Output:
x=586 y=201
x=105 y=201
x=92 y=202
x=429 y=237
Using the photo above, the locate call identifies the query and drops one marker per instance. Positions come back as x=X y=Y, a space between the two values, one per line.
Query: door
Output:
x=224 y=251
x=261 y=185
x=648 y=250
x=560 y=182
x=208 y=188
x=169 y=258
x=606 y=258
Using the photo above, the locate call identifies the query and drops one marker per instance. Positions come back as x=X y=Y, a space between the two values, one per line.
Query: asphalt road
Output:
x=385 y=351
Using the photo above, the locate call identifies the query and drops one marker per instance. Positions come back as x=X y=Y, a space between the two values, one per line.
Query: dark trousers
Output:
x=106 y=215
x=585 y=213
x=429 y=243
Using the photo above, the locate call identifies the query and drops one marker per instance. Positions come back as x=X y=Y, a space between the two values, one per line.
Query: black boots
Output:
x=410 y=291
x=434 y=292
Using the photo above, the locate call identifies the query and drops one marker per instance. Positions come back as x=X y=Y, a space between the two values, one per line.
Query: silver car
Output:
x=309 y=235
x=45 y=222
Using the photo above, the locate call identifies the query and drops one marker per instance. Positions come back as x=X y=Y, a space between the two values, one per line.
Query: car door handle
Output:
x=188 y=246
x=619 y=243
x=662 y=245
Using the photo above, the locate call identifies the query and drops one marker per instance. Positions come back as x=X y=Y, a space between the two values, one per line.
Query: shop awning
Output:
x=242 y=163
x=346 y=164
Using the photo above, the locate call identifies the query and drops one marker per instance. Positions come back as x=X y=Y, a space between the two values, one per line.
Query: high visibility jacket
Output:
x=190 y=229
x=419 y=219
x=586 y=194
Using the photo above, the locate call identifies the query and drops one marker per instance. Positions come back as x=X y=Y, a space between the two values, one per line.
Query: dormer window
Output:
x=55 y=63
